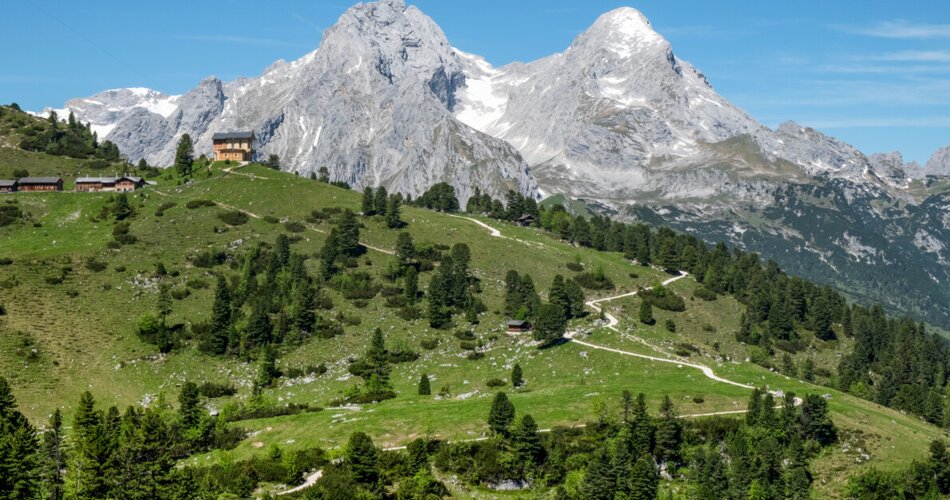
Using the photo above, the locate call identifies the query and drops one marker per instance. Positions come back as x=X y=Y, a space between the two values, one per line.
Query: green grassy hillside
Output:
x=73 y=303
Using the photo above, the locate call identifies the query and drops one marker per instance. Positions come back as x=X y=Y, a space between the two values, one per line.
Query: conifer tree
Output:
x=220 y=318
x=324 y=175
x=424 y=388
x=259 y=328
x=644 y=479
x=411 y=285
x=267 y=370
x=501 y=415
x=513 y=293
x=368 y=204
x=642 y=428
x=517 y=378
x=575 y=298
x=550 y=324
x=305 y=297
x=53 y=458
x=527 y=441
x=600 y=481
x=362 y=458
x=405 y=249
x=189 y=405
x=18 y=447
x=646 y=312
x=393 y=220
x=184 y=155
x=379 y=201
x=668 y=433
x=348 y=235
x=558 y=295
x=122 y=209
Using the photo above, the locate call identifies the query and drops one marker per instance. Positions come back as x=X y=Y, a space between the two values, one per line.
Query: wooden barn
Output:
x=33 y=184
x=7 y=186
x=518 y=326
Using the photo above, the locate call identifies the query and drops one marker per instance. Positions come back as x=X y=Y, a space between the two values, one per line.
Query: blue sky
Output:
x=873 y=73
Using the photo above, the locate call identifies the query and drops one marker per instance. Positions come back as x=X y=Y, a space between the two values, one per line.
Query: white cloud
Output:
x=900 y=28
x=243 y=40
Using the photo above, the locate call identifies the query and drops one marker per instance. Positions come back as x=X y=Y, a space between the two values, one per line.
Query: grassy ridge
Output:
x=82 y=330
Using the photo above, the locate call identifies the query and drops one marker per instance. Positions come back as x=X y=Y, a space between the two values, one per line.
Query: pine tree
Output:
x=164 y=304
x=368 y=205
x=527 y=441
x=600 y=482
x=550 y=324
x=189 y=405
x=411 y=285
x=517 y=379
x=53 y=456
x=18 y=446
x=575 y=296
x=424 y=388
x=501 y=415
x=348 y=236
x=184 y=156
x=324 y=175
x=558 y=295
x=405 y=249
x=267 y=370
x=220 y=318
x=362 y=458
x=379 y=201
x=93 y=450
x=642 y=428
x=644 y=479
x=122 y=209
x=668 y=433
x=646 y=312
x=259 y=328
x=305 y=297
x=393 y=220
x=513 y=293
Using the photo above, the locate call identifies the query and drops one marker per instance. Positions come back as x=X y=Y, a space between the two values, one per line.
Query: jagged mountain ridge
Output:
x=617 y=119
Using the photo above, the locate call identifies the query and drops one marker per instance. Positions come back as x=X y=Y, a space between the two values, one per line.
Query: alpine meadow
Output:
x=390 y=269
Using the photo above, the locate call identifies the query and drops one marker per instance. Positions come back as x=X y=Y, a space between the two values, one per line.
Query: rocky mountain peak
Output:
x=625 y=32
x=939 y=163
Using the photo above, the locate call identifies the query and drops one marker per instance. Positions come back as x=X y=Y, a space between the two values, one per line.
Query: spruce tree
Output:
x=305 y=296
x=501 y=415
x=267 y=369
x=368 y=205
x=189 y=405
x=513 y=293
x=393 y=220
x=362 y=458
x=53 y=458
x=668 y=434
x=348 y=236
x=324 y=175
x=405 y=249
x=18 y=446
x=550 y=324
x=411 y=285
x=600 y=481
x=379 y=201
x=424 y=388
x=575 y=296
x=122 y=210
x=641 y=426
x=558 y=295
x=527 y=441
x=259 y=328
x=220 y=318
x=517 y=379
x=644 y=479
x=184 y=156
x=646 y=312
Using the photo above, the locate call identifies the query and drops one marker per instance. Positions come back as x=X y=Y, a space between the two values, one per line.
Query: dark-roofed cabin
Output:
x=525 y=220
x=95 y=184
x=128 y=183
x=518 y=326
x=7 y=186
x=32 y=184
x=236 y=146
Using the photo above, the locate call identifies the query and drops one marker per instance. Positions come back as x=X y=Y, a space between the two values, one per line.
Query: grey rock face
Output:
x=373 y=104
x=939 y=163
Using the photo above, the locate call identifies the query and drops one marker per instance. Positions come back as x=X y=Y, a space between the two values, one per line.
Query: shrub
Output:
x=670 y=326
x=704 y=293
x=212 y=390
x=3 y=310
x=355 y=285
x=305 y=371
x=790 y=346
x=193 y=204
x=197 y=284
x=474 y=356
x=575 y=266
x=113 y=245
x=180 y=293
x=9 y=214
x=294 y=227
x=233 y=217
x=95 y=265
x=495 y=382
x=699 y=400
x=410 y=313
x=664 y=298
x=270 y=219
x=208 y=258
x=6 y=261
x=430 y=344
x=709 y=328
x=468 y=345
x=402 y=356
x=160 y=211
x=464 y=334
x=594 y=280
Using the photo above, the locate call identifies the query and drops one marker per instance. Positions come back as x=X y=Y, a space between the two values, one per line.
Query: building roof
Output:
x=7 y=183
x=517 y=322
x=40 y=180
x=95 y=180
x=232 y=135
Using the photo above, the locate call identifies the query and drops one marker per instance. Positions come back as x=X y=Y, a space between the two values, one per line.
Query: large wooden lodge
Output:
x=235 y=146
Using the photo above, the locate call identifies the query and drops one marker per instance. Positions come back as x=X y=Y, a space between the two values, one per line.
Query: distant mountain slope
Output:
x=616 y=118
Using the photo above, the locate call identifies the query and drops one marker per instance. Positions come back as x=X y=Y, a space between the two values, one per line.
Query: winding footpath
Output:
x=612 y=323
